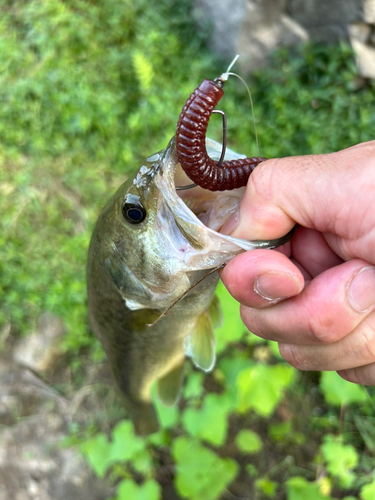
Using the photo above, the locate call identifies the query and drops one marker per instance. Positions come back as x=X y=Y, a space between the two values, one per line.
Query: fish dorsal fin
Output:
x=200 y=344
x=216 y=312
x=169 y=385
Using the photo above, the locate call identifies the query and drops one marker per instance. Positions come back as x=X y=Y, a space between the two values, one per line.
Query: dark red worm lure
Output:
x=191 y=143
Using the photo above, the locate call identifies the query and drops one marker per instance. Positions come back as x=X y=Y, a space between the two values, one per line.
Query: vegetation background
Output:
x=87 y=90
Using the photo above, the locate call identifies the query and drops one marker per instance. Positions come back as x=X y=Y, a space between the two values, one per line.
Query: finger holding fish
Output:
x=323 y=313
x=262 y=278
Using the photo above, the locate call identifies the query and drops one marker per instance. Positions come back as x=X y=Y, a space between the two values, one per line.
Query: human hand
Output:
x=315 y=295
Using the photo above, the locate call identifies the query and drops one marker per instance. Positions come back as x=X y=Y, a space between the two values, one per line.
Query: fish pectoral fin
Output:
x=169 y=386
x=216 y=312
x=201 y=343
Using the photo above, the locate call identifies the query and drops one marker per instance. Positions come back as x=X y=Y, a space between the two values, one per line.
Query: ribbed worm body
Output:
x=191 y=144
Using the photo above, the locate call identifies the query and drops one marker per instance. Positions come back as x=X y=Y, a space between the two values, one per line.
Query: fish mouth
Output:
x=212 y=208
x=199 y=214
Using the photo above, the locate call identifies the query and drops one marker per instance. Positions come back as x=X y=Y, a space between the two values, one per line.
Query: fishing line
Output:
x=225 y=77
x=252 y=107
x=186 y=292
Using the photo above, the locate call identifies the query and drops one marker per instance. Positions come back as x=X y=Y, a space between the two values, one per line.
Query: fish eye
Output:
x=135 y=214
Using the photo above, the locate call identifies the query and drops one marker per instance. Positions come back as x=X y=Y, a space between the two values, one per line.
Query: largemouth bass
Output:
x=150 y=244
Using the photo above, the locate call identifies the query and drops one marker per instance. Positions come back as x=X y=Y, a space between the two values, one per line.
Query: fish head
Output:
x=159 y=240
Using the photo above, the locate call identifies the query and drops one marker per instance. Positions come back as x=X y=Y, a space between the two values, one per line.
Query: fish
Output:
x=157 y=249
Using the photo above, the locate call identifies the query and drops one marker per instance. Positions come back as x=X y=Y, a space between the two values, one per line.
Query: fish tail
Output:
x=144 y=418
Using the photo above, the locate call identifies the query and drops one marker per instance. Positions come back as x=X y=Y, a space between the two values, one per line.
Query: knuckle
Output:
x=323 y=329
x=369 y=147
x=245 y=317
x=363 y=375
x=295 y=356
x=252 y=318
x=262 y=180
x=351 y=375
x=367 y=332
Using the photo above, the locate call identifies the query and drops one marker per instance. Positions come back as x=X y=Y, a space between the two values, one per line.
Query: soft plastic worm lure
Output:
x=191 y=145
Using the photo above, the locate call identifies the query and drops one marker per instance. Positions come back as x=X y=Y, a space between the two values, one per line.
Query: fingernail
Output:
x=231 y=223
x=274 y=286
x=361 y=291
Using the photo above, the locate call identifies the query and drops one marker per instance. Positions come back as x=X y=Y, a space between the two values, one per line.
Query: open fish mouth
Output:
x=200 y=213
x=213 y=208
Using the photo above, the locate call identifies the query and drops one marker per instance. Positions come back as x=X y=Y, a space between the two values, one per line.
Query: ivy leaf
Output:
x=129 y=490
x=341 y=459
x=368 y=491
x=280 y=431
x=298 y=488
x=262 y=387
x=266 y=486
x=200 y=473
x=125 y=444
x=98 y=453
x=232 y=367
x=338 y=391
x=248 y=441
x=232 y=328
x=167 y=415
x=209 y=423
x=194 y=385
x=229 y=369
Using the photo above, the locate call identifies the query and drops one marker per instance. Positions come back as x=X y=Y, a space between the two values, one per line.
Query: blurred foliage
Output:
x=87 y=90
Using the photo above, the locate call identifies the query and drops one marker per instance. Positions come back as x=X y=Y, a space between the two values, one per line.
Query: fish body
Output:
x=148 y=247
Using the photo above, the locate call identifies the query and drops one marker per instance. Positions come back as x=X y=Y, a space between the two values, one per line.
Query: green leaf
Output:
x=200 y=473
x=338 y=391
x=125 y=444
x=283 y=431
x=252 y=470
x=248 y=441
x=233 y=328
x=300 y=489
x=98 y=453
x=262 y=387
x=228 y=371
x=266 y=486
x=368 y=491
x=341 y=459
x=194 y=385
x=168 y=416
x=280 y=431
x=210 y=422
x=129 y=490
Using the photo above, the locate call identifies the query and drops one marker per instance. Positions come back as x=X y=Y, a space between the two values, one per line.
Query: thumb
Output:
x=312 y=191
